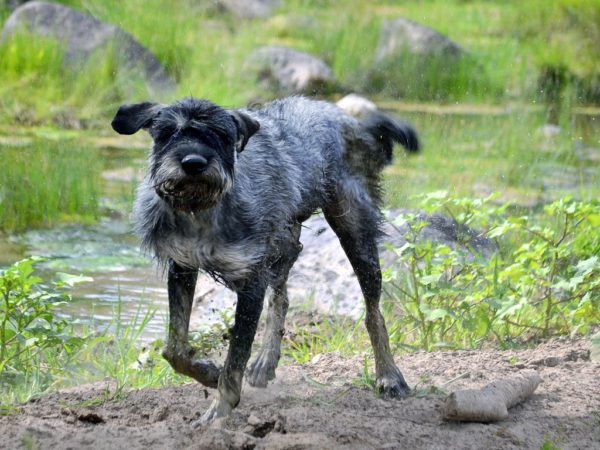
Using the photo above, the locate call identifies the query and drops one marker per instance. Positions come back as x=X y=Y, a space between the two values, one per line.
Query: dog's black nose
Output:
x=193 y=164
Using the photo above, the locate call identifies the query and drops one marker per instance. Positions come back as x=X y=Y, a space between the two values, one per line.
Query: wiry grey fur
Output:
x=239 y=218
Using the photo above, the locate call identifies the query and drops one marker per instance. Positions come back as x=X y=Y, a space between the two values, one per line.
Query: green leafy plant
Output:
x=40 y=349
x=211 y=337
x=542 y=280
x=34 y=340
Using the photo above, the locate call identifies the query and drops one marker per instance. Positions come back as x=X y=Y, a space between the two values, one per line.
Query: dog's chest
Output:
x=231 y=261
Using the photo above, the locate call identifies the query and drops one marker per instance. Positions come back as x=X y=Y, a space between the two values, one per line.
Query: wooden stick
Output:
x=490 y=403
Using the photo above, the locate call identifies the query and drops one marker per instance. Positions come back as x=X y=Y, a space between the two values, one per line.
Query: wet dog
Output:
x=227 y=191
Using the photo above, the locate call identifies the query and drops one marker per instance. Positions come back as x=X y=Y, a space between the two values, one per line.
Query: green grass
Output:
x=48 y=182
x=476 y=154
x=37 y=88
x=512 y=45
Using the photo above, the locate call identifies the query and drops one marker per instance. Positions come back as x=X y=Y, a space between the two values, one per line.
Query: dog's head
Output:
x=195 y=148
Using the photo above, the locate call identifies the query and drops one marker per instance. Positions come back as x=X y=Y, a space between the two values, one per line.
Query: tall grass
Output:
x=37 y=87
x=48 y=182
x=476 y=154
x=434 y=78
x=563 y=35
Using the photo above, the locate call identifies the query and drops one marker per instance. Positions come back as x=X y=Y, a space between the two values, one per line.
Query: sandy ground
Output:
x=316 y=405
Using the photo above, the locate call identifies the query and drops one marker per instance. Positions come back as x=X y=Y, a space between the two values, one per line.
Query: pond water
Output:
x=109 y=253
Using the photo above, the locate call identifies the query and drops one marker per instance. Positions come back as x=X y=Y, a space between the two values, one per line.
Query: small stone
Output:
x=356 y=106
x=552 y=361
x=159 y=414
x=251 y=9
x=549 y=130
x=253 y=420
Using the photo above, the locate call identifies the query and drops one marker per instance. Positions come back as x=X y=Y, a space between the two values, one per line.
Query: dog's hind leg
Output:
x=262 y=370
x=355 y=219
x=247 y=314
x=178 y=352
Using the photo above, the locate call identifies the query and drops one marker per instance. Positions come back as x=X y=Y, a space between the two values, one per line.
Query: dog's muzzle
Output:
x=202 y=186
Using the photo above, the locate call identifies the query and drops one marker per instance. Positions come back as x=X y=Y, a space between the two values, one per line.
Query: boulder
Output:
x=12 y=4
x=288 y=71
x=250 y=9
x=82 y=36
x=402 y=35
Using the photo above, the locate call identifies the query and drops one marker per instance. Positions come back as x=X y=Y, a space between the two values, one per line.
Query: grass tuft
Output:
x=48 y=182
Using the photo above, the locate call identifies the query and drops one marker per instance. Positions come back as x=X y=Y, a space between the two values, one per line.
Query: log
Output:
x=491 y=403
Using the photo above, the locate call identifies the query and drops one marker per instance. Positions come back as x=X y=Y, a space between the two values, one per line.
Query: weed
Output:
x=34 y=342
x=343 y=336
x=543 y=280
x=366 y=380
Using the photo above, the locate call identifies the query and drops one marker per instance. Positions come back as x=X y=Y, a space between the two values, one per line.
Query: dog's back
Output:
x=308 y=146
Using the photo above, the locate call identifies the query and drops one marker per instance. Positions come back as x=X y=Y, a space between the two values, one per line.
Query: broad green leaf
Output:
x=430 y=279
x=438 y=313
x=437 y=195
x=594 y=219
x=586 y=266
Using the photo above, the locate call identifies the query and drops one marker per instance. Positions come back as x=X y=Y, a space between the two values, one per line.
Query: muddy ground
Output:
x=316 y=405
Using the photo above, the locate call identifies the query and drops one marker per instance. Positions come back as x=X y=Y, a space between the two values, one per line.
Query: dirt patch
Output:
x=316 y=405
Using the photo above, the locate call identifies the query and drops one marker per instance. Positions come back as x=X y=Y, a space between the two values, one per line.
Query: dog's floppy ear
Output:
x=131 y=118
x=246 y=127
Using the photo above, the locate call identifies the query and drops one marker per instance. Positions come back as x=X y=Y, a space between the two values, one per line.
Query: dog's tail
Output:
x=369 y=147
x=386 y=131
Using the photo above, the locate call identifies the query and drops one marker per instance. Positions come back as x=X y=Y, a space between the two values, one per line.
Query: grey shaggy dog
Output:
x=227 y=192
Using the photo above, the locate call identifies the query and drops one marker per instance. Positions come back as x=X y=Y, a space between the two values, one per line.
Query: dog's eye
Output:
x=164 y=134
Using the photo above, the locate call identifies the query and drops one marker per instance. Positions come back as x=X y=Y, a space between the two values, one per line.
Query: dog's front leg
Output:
x=247 y=314
x=179 y=353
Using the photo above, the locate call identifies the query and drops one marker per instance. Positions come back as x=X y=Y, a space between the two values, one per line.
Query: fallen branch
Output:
x=490 y=403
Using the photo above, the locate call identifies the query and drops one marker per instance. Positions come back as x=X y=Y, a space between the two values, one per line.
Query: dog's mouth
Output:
x=189 y=195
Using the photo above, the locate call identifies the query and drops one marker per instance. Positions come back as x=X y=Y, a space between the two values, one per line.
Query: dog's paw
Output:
x=205 y=372
x=218 y=408
x=392 y=386
x=261 y=371
x=202 y=370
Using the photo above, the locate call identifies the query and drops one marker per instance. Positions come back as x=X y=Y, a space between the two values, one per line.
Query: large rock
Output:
x=401 y=35
x=288 y=71
x=250 y=9
x=82 y=36
x=12 y=4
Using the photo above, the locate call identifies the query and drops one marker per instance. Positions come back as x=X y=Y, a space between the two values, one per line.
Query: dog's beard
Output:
x=190 y=194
